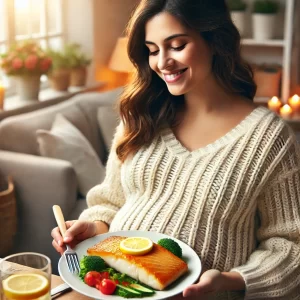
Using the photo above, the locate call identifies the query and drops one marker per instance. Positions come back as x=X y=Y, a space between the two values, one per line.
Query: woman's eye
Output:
x=153 y=52
x=178 y=48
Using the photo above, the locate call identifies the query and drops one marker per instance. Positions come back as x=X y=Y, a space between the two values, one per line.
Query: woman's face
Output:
x=179 y=55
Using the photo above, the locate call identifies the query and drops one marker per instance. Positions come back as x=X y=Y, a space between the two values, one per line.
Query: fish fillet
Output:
x=157 y=269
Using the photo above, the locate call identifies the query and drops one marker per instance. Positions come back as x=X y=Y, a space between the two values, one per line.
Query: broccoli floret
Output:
x=171 y=245
x=91 y=263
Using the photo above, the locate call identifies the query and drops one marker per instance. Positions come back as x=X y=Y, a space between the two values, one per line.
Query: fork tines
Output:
x=72 y=261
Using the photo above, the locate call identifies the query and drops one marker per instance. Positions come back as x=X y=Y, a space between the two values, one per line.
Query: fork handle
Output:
x=60 y=220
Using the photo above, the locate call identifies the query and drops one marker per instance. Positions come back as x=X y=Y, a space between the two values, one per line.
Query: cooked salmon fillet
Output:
x=157 y=269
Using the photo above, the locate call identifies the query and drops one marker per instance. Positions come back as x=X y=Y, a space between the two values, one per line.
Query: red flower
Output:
x=31 y=62
x=17 y=63
x=45 y=64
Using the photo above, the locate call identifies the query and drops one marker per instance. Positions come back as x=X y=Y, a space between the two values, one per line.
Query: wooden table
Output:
x=72 y=295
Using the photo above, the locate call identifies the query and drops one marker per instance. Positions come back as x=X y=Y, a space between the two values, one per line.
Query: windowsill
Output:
x=48 y=94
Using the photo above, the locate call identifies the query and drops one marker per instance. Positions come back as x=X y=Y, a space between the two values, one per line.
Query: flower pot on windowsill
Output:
x=26 y=61
x=78 y=76
x=60 y=79
x=28 y=87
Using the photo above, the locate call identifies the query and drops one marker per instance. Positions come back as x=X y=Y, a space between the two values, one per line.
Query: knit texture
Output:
x=235 y=201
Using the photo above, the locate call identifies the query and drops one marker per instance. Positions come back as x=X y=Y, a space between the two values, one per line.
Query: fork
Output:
x=70 y=255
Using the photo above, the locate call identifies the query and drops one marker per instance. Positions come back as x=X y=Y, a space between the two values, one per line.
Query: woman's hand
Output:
x=211 y=282
x=77 y=231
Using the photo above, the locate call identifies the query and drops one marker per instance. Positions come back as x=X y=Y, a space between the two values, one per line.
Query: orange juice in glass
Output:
x=25 y=276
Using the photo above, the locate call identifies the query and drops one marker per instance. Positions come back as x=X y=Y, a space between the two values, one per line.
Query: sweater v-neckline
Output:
x=178 y=148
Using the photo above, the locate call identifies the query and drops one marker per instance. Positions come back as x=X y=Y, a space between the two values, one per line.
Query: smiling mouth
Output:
x=174 y=77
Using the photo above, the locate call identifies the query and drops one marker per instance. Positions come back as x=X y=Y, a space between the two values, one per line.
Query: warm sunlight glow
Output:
x=2 y=22
x=21 y=5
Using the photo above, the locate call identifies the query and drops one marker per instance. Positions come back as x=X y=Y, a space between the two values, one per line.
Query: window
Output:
x=40 y=20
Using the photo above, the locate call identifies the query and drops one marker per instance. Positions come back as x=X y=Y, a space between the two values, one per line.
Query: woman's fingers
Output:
x=55 y=233
x=76 y=231
x=77 y=228
x=58 y=248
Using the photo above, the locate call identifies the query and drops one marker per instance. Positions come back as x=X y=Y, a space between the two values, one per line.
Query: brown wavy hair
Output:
x=146 y=105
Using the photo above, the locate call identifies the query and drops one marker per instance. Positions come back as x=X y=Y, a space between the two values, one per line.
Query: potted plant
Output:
x=238 y=14
x=264 y=19
x=59 y=75
x=26 y=62
x=78 y=64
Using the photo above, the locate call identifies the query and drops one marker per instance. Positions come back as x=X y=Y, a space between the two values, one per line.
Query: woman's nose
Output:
x=164 y=62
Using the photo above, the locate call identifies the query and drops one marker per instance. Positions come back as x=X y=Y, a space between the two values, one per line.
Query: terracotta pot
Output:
x=268 y=83
x=60 y=79
x=78 y=76
x=28 y=87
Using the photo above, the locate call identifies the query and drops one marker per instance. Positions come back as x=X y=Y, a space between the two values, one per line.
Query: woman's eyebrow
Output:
x=173 y=36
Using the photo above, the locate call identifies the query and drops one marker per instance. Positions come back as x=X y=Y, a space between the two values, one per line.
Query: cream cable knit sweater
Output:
x=235 y=201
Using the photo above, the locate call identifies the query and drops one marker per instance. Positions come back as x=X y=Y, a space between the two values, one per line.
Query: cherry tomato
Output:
x=104 y=275
x=125 y=283
x=92 y=277
x=89 y=279
x=97 y=285
x=106 y=287
x=95 y=274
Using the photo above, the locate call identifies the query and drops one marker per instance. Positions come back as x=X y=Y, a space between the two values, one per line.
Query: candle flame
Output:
x=285 y=108
x=275 y=99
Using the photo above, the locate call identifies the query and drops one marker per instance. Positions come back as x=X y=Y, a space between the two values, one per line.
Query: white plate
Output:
x=189 y=255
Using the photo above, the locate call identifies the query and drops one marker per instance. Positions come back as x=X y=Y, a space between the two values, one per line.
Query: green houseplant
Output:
x=59 y=75
x=265 y=7
x=264 y=19
x=78 y=63
x=236 y=5
x=26 y=61
x=237 y=10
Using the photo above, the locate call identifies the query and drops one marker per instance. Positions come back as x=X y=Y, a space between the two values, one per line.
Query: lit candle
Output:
x=294 y=103
x=286 y=111
x=274 y=104
x=2 y=90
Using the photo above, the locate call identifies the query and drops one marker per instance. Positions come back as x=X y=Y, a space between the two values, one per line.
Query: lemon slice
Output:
x=136 y=245
x=25 y=286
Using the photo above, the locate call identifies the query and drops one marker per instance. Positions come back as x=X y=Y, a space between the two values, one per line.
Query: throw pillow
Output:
x=108 y=121
x=66 y=142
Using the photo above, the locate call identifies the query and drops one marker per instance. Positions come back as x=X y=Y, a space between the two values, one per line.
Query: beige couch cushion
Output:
x=89 y=107
x=18 y=133
x=108 y=120
x=66 y=142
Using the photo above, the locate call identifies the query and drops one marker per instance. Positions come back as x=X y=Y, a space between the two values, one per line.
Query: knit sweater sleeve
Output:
x=273 y=269
x=104 y=200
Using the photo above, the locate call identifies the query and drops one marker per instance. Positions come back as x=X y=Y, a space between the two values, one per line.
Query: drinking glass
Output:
x=25 y=276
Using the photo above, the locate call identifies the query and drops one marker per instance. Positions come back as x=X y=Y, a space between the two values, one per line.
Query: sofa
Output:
x=41 y=181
